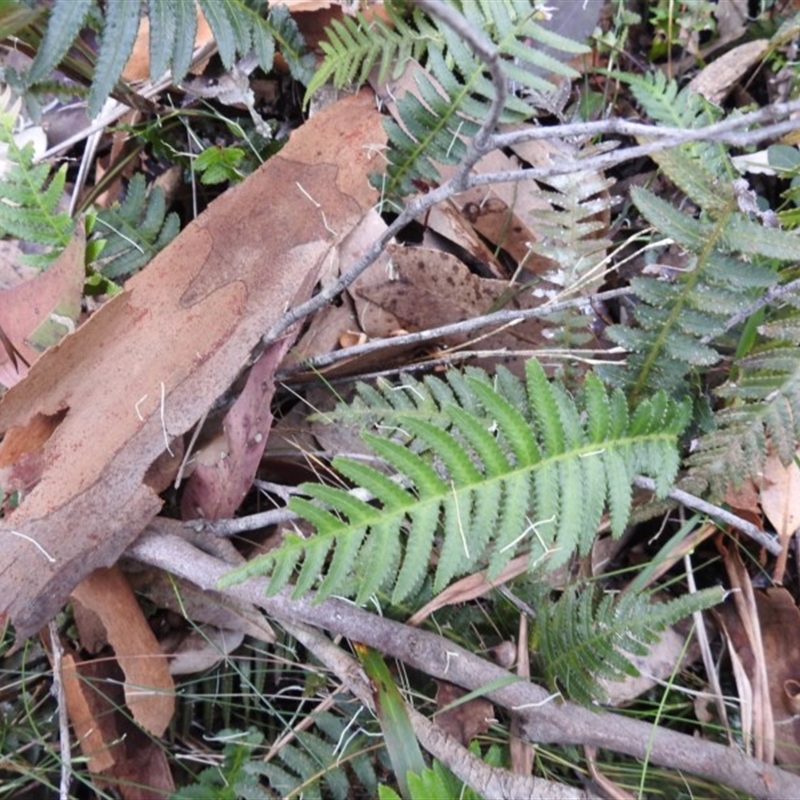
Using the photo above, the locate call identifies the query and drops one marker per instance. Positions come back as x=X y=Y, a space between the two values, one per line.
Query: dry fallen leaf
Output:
x=149 y=689
x=430 y=288
x=216 y=490
x=150 y=362
x=467 y=719
x=716 y=80
x=780 y=625
x=780 y=501
x=119 y=754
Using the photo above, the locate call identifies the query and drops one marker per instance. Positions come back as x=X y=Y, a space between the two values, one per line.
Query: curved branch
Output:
x=542 y=720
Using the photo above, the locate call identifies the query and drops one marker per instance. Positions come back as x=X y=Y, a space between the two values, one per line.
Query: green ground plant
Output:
x=469 y=470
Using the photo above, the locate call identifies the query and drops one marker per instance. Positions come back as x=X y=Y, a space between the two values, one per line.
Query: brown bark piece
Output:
x=149 y=363
x=36 y=313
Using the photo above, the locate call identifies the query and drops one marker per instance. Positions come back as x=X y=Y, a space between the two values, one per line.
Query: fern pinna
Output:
x=478 y=478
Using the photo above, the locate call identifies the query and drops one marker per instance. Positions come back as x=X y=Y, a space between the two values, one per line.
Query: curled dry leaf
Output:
x=153 y=360
x=430 y=287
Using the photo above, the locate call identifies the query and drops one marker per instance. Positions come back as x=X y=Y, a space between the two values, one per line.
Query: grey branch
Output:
x=715 y=512
x=542 y=720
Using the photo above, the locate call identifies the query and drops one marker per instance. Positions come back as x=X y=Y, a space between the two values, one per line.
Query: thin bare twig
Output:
x=456 y=328
x=65 y=753
x=624 y=127
x=610 y=159
x=769 y=543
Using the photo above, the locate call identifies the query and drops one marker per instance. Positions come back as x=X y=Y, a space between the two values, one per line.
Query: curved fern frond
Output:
x=135 y=230
x=581 y=638
x=453 y=93
x=238 y=30
x=477 y=487
x=732 y=260
x=30 y=194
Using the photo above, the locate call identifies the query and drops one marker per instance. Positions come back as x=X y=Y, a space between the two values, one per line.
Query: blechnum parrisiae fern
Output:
x=453 y=93
x=737 y=259
x=469 y=472
x=29 y=193
x=682 y=318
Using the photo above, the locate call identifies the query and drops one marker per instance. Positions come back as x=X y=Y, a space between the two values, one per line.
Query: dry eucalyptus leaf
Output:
x=149 y=689
x=716 y=80
x=780 y=624
x=466 y=720
x=780 y=501
x=430 y=288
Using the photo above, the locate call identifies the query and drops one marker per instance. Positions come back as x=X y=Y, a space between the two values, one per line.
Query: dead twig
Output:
x=769 y=543
x=541 y=719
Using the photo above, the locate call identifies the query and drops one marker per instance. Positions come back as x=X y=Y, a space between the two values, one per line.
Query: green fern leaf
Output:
x=480 y=483
x=134 y=231
x=30 y=194
x=64 y=25
x=122 y=19
x=675 y=315
x=315 y=760
x=581 y=638
x=162 y=14
x=183 y=43
x=453 y=93
x=237 y=28
x=763 y=407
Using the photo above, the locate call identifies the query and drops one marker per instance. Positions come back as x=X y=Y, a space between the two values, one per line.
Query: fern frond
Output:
x=354 y=47
x=693 y=167
x=317 y=761
x=453 y=93
x=121 y=24
x=680 y=319
x=764 y=409
x=237 y=27
x=135 y=230
x=64 y=25
x=30 y=194
x=481 y=479
x=571 y=236
x=582 y=638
